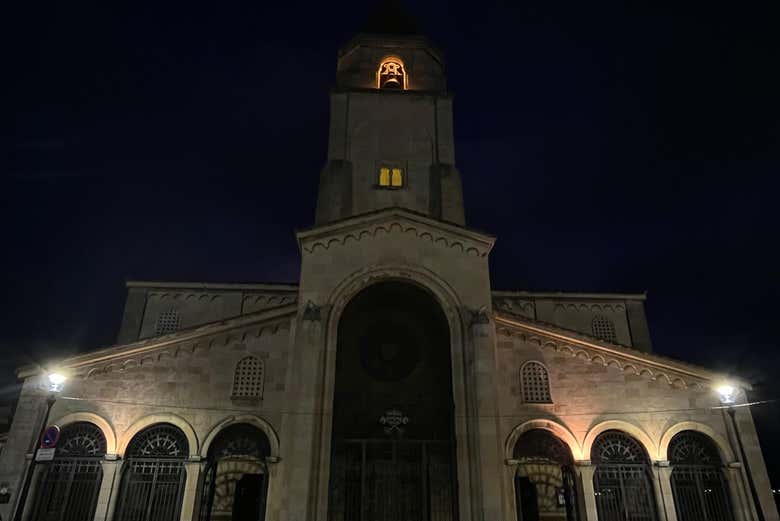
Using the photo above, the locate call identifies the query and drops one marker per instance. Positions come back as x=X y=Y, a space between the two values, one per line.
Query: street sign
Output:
x=50 y=437
x=45 y=454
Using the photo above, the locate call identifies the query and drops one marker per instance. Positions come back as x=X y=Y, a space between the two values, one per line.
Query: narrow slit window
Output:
x=397 y=179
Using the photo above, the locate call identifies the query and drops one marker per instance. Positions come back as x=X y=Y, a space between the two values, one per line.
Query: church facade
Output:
x=392 y=382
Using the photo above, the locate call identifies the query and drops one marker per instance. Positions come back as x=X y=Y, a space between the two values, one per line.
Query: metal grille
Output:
x=154 y=476
x=68 y=490
x=603 y=328
x=167 y=322
x=392 y=480
x=248 y=378
x=68 y=487
x=697 y=481
x=622 y=479
x=535 y=383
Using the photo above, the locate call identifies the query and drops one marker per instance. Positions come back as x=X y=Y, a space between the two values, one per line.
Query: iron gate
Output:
x=153 y=476
x=623 y=493
x=68 y=490
x=700 y=494
x=392 y=480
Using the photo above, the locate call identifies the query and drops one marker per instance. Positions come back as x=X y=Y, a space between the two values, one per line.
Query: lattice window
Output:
x=249 y=378
x=535 y=383
x=159 y=441
x=81 y=439
x=167 y=322
x=617 y=447
x=693 y=448
x=603 y=328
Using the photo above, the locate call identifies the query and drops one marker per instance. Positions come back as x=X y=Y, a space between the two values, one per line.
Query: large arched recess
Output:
x=391 y=348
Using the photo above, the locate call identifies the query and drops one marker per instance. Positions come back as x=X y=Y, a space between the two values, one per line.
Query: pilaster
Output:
x=110 y=466
x=587 y=501
x=190 y=496
x=662 y=484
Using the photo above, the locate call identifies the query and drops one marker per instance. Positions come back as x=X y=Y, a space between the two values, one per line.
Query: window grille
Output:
x=622 y=478
x=167 y=322
x=603 y=328
x=68 y=487
x=249 y=378
x=535 y=383
x=698 y=486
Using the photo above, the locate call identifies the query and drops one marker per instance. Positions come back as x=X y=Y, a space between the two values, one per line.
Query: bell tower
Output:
x=391 y=130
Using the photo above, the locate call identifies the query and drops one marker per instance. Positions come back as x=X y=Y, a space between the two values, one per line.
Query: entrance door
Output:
x=527 y=501
x=393 y=446
x=247 y=501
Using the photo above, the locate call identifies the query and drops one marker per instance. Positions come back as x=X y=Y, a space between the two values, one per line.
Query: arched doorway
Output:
x=153 y=475
x=622 y=479
x=697 y=479
x=544 y=479
x=68 y=487
x=393 y=442
x=235 y=485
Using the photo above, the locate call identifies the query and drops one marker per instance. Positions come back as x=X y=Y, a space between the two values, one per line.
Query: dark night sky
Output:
x=608 y=148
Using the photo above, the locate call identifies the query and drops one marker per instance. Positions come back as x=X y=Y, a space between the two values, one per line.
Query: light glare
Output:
x=727 y=394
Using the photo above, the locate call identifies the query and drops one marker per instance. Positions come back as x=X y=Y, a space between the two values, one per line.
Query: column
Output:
x=662 y=478
x=190 y=499
x=27 y=508
x=110 y=467
x=741 y=503
x=113 y=496
x=587 y=500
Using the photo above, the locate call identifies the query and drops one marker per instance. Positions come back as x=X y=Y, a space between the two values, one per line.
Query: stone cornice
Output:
x=230 y=286
x=676 y=373
x=209 y=334
x=395 y=220
x=568 y=295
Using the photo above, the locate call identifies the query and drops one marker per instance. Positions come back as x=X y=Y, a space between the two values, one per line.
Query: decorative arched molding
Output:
x=147 y=421
x=726 y=454
x=99 y=421
x=446 y=297
x=619 y=425
x=256 y=421
x=558 y=429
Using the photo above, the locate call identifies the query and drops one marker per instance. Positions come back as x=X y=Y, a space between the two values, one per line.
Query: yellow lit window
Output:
x=384 y=176
x=398 y=178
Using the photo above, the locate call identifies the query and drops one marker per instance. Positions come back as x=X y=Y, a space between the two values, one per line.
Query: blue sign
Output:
x=50 y=437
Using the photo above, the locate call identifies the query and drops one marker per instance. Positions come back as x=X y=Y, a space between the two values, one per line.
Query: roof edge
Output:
x=570 y=294
x=211 y=285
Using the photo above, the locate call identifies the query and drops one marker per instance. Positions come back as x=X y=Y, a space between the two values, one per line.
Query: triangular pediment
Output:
x=395 y=220
x=591 y=350
x=206 y=336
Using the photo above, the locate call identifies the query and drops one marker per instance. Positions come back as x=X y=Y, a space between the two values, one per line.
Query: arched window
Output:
x=544 y=480
x=391 y=74
x=603 y=328
x=167 y=322
x=697 y=480
x=535 y=382
x=391 y=177
x=236 y=475
x=622 y=478
x=68 y=487
x=153 y=482
x=249 y=378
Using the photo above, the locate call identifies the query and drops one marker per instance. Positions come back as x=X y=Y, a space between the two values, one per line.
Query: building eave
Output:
x=79 y=362
x=625 y=358
x=230 y=286
x=570 y=295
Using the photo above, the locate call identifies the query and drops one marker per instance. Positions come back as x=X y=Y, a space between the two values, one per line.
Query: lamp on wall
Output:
x=52 y=383
x=727 y=393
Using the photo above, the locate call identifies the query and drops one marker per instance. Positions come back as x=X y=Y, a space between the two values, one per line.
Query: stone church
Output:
x=393 y=382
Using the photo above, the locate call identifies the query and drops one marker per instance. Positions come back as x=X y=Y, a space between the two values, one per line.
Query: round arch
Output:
x=147 y=421
x=446 y=297
x=619 y=425
x=724 y=449
x=99 y=421
x=559 y=430
x=255 y=421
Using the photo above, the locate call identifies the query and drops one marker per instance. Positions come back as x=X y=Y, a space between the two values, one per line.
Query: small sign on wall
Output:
x=45 y=454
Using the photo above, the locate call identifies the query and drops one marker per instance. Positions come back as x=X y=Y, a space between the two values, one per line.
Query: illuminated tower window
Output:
x=391 y=177
x=391 y=74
